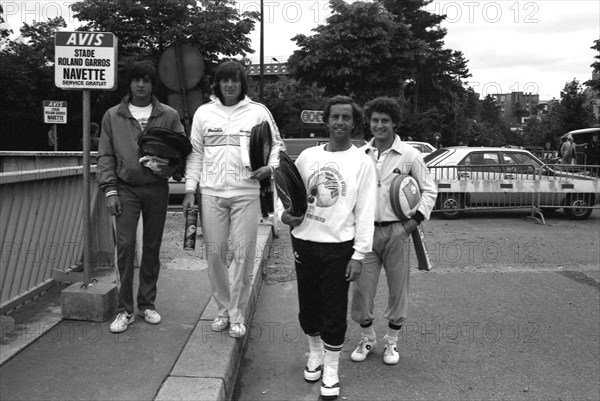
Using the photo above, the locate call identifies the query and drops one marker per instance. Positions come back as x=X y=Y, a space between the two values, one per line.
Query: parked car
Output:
x=422 y=147
x=486 y=177
x=295 y=146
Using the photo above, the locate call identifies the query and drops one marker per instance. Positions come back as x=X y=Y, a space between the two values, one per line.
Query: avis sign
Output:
x=55 y=112
x=85 y=60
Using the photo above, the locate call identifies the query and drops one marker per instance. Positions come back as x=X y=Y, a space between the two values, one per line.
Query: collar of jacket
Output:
x=123 y=111
x=396 y=146
x=244 y=101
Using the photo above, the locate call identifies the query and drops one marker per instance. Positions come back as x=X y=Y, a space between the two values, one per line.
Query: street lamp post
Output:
x=262 y=52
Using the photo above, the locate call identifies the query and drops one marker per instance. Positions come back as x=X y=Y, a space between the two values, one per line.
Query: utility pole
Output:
x=262 y=52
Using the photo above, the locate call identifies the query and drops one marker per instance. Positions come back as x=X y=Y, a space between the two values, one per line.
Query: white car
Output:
x=422 y=147
x=485 y=177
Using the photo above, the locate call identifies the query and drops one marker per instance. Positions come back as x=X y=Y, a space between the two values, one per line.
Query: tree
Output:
x=4 y=32
x=361 y=51
x=287 y=97
x=26 y=78
x=143 y=28
x=594 y=83
x=575 y=110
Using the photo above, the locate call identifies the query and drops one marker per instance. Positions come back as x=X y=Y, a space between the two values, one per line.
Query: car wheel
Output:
x=579 y=207
x=451 y=206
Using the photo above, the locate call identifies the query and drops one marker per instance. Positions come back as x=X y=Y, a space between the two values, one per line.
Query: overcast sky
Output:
x=531 y=46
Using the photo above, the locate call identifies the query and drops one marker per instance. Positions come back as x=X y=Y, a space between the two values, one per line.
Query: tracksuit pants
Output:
x=390 y=250
x=230 y=226
x=322 y=288
x=151 y=201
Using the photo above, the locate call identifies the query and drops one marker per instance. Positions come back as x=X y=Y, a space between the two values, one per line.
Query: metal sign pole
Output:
x=55 y=136
x=182 y=91
x=86 y=187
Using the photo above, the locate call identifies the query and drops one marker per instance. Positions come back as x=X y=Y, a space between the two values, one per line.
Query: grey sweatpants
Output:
x=390 y=250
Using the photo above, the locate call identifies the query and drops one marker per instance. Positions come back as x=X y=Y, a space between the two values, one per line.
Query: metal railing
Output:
x=492 y=186
x=41 y=228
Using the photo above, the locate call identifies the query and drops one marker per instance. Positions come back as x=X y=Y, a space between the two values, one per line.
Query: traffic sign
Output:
x=85 y=60
x=55 y=112
x=437 y=136
x=311 y=116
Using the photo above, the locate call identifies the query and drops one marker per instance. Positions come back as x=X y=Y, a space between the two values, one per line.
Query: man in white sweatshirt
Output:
x=230 y=208
x=331 y=239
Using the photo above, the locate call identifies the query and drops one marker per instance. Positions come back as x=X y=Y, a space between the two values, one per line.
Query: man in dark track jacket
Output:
x=132 y=189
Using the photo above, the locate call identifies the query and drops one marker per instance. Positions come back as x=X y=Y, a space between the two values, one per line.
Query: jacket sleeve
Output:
x=193 y=168
x=107 y=163
x=426 y=182
x=364 y=210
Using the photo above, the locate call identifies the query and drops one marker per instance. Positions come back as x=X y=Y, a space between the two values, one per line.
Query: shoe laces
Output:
x=314 y=360
x=390 y=347
x=123 y=317
x=330 y=376
x=363 y=344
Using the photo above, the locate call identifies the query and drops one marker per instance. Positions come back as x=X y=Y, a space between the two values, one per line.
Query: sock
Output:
x=393 y=331
x=369 y=332
x=315 y=344
x=332 y=356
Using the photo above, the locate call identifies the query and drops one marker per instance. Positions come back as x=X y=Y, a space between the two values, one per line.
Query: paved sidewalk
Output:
x=47 y=358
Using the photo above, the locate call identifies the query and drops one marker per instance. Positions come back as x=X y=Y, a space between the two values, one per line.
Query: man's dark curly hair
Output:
x=385 y=105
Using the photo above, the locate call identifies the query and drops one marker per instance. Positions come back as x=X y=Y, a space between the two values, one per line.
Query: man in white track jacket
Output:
x=230 y=208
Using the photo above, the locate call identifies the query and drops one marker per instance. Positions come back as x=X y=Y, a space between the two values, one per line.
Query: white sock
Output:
x=392 y=335
x=315 y=344
x=332 y=356
x=369 y=332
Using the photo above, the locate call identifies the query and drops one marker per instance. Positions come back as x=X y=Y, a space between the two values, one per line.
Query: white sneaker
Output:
x=390 y=353
x=220 y=323
x=314 y=367
x=362 y=350
x=150 y=315
x=121 y=322
x=237 y=330
x=330 y=385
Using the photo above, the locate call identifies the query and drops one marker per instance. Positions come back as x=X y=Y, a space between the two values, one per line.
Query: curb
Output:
x=207 y=367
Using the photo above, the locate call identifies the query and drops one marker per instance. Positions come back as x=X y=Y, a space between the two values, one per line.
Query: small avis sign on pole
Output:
x=55 y=112
x=85 y=60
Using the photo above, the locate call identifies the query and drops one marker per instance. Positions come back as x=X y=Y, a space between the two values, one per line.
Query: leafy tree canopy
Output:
x=362 y=50
x=147 y=27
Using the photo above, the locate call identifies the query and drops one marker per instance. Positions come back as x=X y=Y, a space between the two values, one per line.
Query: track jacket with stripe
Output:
x=220 y=161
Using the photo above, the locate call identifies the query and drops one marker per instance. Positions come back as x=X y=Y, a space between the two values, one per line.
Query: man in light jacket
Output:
x=390 y=157
x=230 y=205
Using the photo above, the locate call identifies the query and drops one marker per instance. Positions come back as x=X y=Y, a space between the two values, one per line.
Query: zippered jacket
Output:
x=220 y=159
x=404 y=159
x=118 y=157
